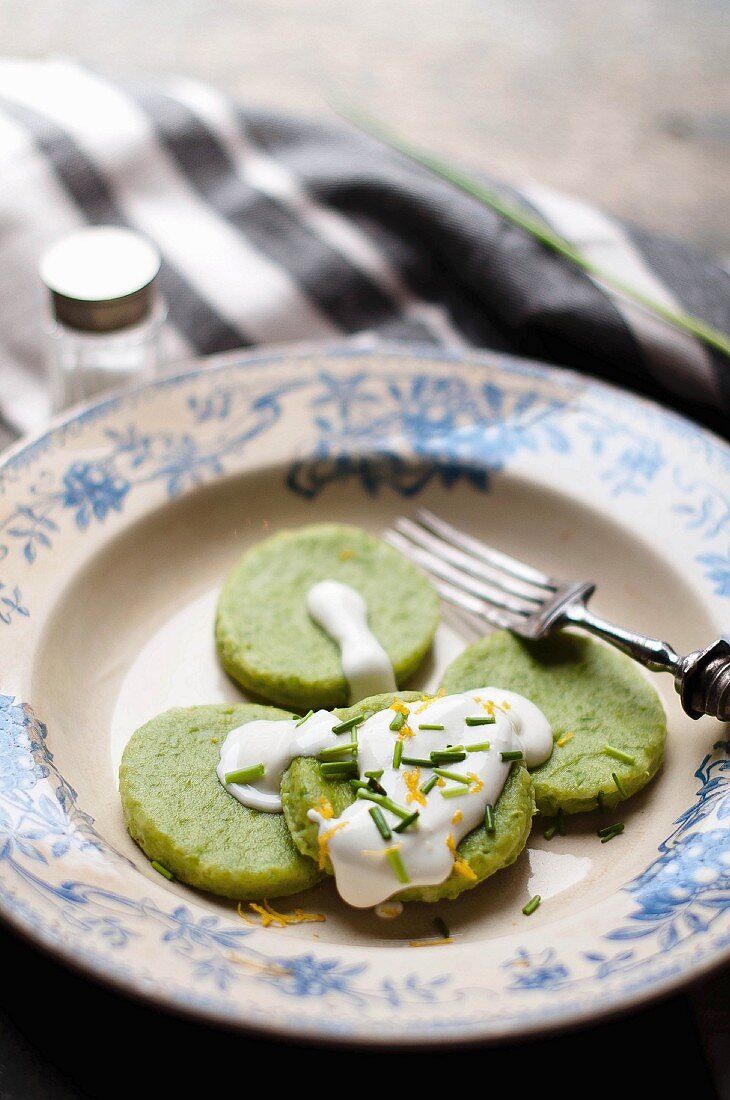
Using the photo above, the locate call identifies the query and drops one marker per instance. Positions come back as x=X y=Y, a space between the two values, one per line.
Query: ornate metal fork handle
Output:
x=701 y=679
x=497 y=588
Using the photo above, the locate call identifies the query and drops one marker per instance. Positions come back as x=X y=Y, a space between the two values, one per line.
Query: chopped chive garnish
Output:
x=383 y=827
x=397 y=864
x=560 y=821
x=531 y=905
x=337 y=750
x=303 y=719
x=488 y=720
x=339 y=769
x=245 y=775
x=513 y=754
x=406 y=822
x=373 y=785
x=385 y=802
x=162 y=870
x=454 y=792
x=489 y=824
x=619 y=785
x=609 y=836
x=397 y=753
x=456 y=776
x=442 y=927
x=550 y=831
x=618 y=827
x=417 y=761
x=429 y=785
x=478 y=746
x=375 y=774
x=618 y=755
x=349 y=724
x=398 y=722
x=599 y=800
x=429 y=726
x=358 y=784
x=447 y=756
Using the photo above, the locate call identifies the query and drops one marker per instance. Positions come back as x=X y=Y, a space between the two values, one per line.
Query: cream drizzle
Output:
x=358 y=853
x=343 y=614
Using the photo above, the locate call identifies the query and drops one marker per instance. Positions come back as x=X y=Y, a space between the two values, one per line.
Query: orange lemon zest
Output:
x=564 y=739
x=464 y=870
x=430 y=943
x=323 y=841
x=411 y=780
x=399 y=707
x=477 y=783
x=458 y=816
x=324 y=808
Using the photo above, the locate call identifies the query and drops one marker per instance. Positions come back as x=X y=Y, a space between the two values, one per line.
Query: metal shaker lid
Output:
x=101 y=278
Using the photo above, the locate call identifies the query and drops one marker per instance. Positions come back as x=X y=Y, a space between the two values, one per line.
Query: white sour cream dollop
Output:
x=343 y=614
x=364 y=871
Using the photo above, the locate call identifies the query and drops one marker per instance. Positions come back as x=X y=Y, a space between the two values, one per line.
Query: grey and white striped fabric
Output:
x=274 y=228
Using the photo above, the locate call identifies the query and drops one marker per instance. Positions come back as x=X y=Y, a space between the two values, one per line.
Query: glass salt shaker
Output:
x=107 y=319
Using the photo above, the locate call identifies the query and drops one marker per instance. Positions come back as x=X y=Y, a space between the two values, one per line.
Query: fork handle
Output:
x=702 y=678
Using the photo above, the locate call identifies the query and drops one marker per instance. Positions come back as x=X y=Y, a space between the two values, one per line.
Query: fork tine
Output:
x=473 y=606
x=468 y=562
x=457 y=577
x=485 y=553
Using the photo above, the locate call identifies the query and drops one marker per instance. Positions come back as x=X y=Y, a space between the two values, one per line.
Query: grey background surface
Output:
x=625 y=102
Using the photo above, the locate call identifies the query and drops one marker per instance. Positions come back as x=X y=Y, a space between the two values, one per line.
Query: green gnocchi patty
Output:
x=593 y=696
x=303 y=787
x=266 y=639
x=180 y=815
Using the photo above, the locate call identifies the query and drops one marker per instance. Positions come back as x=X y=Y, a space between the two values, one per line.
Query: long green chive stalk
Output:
x=349 y=724
x=619 y=785
x=442 y=927
x=531 y=905
x=618 y=755
x=337 y=750
x=407 y=822
x=385 y=802
x=162 y=870
x=339 y=769
x=382 y=825
x=456 y=776
x=396 y=863
x=542 y=232
x=245 y=775
x=447 y=756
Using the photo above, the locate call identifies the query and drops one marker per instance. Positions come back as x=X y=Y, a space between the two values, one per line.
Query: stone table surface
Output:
x=626 y=103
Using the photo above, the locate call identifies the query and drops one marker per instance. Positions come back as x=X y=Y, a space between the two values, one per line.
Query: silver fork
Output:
x=504 y=592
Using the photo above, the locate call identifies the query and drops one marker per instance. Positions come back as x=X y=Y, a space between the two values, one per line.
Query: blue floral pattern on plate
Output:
x=382 y=430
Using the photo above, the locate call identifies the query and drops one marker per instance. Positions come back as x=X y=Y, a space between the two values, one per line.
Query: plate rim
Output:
x=174 y=1001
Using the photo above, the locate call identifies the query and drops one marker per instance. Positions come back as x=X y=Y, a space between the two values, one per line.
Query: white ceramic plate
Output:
x=116 y=528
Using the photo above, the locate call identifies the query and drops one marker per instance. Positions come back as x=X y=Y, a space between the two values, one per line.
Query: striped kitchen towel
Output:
x=277 y=228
